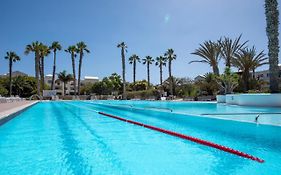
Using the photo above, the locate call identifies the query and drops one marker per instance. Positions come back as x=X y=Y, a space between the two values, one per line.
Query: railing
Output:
x=35 y=95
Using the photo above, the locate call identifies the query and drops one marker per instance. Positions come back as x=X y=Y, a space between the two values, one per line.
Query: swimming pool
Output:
x=72 y=138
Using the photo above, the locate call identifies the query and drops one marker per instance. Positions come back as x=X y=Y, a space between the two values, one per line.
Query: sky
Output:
x=148 y=27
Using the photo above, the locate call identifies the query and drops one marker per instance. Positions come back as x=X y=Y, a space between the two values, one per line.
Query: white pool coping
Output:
x=14 y=110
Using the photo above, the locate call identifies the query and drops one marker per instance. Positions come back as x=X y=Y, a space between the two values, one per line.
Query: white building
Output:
x=70 y=85
x=264 y=76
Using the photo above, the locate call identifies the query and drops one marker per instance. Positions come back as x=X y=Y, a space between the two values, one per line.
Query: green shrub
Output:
x=3 y=91
x=146 y=94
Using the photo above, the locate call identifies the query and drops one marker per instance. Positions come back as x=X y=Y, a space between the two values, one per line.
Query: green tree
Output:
x=160 y=62
x=133 y=60
x=148 y=60
x=72 y=50
x=272 y=31
x=54 y=47
x=11 y=57
x=228 y=81
x=44 y=51
x=35 y=47
x=123 y=47
x=229 y=48
x=65 y=78
x=248 y=60
x=209 y=52
x=81 y=50
x=208 y=84
x=170 y=55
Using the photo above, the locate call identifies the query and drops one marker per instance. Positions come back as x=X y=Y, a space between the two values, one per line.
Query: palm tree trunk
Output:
x=170 y=77
x=272 y=20
x=123 y=72
x=64 y=88
x=42 y=73
x=73 y=71
x=161 y=73
x=10 y=76
x=148 y=77
x=54 y=72
x=79 y=71
x=246 y=80
x=216 y=70
x=228 y=62
x=134 y=72
x=37 y=70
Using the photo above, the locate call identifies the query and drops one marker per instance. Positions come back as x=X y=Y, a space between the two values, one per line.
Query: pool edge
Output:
x=15 y=112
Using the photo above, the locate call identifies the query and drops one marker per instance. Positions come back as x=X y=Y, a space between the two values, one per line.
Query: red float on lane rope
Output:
x=186 y=137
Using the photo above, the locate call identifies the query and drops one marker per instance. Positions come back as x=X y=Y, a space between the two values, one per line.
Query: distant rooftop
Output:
x=91 y=78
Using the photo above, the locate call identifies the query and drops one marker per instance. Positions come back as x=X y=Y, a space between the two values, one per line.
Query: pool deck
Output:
x=7 y=109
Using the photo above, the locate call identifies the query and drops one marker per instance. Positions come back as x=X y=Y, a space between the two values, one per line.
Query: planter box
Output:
x=273 y=100
x=221 y=98
x=232 y=99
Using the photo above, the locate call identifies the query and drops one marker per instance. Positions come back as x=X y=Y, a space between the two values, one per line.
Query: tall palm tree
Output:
x=55 y=47
x=35 y=47
x=170 y=55
x=148 y=60
x=209 y=52
x=272 y=24
x=65 y=78
x=160 y=62
x=72 y=50
x=11 y=57
x=44 y=51
x=133 y=60
x=229 y=48
x=81 y=49
x=123 y=47
x=248 y=60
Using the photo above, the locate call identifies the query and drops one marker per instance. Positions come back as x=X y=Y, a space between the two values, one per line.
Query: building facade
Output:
x=70 y=85
x=264 y=76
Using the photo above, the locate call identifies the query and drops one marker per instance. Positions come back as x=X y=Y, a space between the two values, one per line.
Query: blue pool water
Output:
x=72 y=138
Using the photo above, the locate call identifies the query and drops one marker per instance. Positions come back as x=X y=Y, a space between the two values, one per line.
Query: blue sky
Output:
x=148 y=27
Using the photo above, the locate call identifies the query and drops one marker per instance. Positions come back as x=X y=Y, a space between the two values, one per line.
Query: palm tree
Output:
x=248 y=60
x=123 y=47
x=35 y=47
x=11 y=57
x=55 y=47
x=65 y=78
x=81 y=49
x=272 y=24
x=160 y=62
x=259 y=59
x=44 y=51
x=170 y=55
x=72 y=50
x=229 y=48
x=148 y=60
x=209 y=52
x=133 y=60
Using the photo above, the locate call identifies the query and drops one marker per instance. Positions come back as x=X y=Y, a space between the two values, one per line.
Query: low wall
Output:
x=273 y=100
x=232 y=99
x=270 y=100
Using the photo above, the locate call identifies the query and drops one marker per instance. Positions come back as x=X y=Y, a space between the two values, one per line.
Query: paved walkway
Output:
x=7 y=109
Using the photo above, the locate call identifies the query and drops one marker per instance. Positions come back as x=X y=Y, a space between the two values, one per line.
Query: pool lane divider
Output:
x=190 y=138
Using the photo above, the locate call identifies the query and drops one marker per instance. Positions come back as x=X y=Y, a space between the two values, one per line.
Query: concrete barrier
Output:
x=273 y=100
x=220 y=98
x=232 y=99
